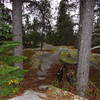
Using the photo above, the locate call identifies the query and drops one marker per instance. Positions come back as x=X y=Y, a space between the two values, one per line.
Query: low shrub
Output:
x=10 y=78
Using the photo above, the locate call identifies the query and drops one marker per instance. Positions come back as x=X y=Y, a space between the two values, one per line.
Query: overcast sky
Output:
x=54 y=5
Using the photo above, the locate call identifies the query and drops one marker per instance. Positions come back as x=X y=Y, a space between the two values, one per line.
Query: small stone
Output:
x=43 y=87
x=41 y=73
x=41 y=78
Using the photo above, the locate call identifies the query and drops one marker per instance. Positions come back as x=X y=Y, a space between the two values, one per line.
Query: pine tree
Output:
x=96 y=33
x=10 y=77
x=64 y=34
x=41 y=22
x=6 y=43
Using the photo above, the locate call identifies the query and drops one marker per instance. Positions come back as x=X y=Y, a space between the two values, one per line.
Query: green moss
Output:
x=10 y=78
x=95 y=59
x=70 y=56
x=35 y=61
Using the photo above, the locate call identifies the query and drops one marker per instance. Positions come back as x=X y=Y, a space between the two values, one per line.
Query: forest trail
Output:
x=36 y=81
x=41 y=75
x=48 y=59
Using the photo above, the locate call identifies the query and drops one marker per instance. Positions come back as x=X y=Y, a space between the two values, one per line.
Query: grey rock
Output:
x=43 y=87
x=41 y=73
x=41 y=78
x=30 y=95
x=48 y=59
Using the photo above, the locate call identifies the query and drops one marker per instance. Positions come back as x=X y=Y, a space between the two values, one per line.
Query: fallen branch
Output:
x=96 y=47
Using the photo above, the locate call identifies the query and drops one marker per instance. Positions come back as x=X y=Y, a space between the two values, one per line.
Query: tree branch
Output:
x=96 y=47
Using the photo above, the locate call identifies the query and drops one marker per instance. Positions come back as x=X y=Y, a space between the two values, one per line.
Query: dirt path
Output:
x=37 y=79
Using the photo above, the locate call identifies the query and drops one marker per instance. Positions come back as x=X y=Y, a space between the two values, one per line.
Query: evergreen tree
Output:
x=31 y=36
x=96 y=33
x=45 y=16
x=8 y=72
x=6 y=42
x=64 y=34
x=42 y=7
x=5 y=23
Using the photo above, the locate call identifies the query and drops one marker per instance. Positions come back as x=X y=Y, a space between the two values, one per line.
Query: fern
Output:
x=12 y=59
x=10 y=76
x=7 y=46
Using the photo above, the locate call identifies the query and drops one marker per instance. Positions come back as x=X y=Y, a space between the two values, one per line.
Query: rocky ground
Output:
x=36 y=82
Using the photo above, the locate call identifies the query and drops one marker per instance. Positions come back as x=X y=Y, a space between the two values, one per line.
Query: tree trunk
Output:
x=42 y=34
x=17 y=28
x=86 y=27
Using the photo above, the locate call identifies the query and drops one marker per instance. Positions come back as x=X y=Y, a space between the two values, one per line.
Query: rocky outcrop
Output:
x=59 y=94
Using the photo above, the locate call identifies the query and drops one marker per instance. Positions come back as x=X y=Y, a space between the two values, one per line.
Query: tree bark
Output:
x=17 y=28
x=86 y=28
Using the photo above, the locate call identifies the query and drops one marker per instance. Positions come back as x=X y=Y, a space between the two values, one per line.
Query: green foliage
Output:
x=35 y=61
x=5 y=31
x=96 y=39
x=7 y=45
x=10 y=78
x=95 y=59
x=70 y=56
x=32 y=40
x=96 y=33
x=52 y=38
x=12 y=59
x=5 y=27
x=41 y=23
x=64 y=34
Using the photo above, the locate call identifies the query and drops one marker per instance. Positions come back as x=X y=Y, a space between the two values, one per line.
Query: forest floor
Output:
x=33 y=82
x=37 y=81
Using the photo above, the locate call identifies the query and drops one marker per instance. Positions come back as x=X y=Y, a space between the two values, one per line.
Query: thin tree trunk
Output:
x=42 y=41
x=17 y=28
x=86 y=27
x=42 y=34
x=80 y=25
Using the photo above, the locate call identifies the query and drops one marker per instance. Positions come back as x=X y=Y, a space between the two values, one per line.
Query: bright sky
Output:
x=54 y=5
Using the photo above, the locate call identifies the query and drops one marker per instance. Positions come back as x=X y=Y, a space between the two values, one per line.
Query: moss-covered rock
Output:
x=70 y=56
x=59 y=94
x=95 y=59
x=35 y=61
